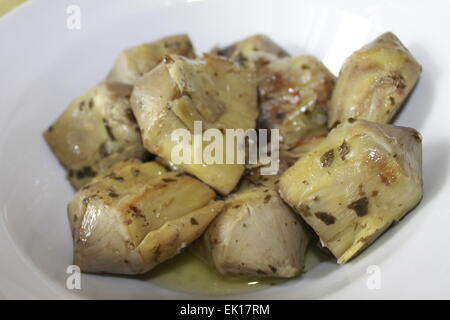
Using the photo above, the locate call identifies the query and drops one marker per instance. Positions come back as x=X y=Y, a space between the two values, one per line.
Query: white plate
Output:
x=43 y=65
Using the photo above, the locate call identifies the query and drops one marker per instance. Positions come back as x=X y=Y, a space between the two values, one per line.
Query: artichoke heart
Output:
x=134 y=62
x=137 y=215
x=350 y=188
x=374 y=81
x=257 y=234
x=178 y=92
x=96 y=130
x=294 y=95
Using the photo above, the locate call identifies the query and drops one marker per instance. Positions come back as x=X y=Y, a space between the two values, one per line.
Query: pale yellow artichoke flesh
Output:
x=294 y=95
x=374 y=81
x=210 y=89
x=96 y=130
x=257 y=234
x=363 y=177
x=137 y=215
x=134 y=62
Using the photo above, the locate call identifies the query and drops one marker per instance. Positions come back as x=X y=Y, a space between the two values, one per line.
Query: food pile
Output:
x=345 y=174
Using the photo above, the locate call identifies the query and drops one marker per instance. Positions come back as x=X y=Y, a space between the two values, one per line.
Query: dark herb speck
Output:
x=360 y=206
x=325 y=217
x=280 y=115
x=304 y=210
x=327 y=158
x=417 y=136
x=343 y=150
x=113 y=194
x=272 y=268
x=85 y=172
x=108 y=130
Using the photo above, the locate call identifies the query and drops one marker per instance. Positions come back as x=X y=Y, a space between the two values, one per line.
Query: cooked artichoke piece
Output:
x=97 y=130
x=137 y=215
x=374 y=81
x=179 y=91
x=136 y=61
x=294 y=95
x=363 y=177
x=256 y=50
x=257 y=234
